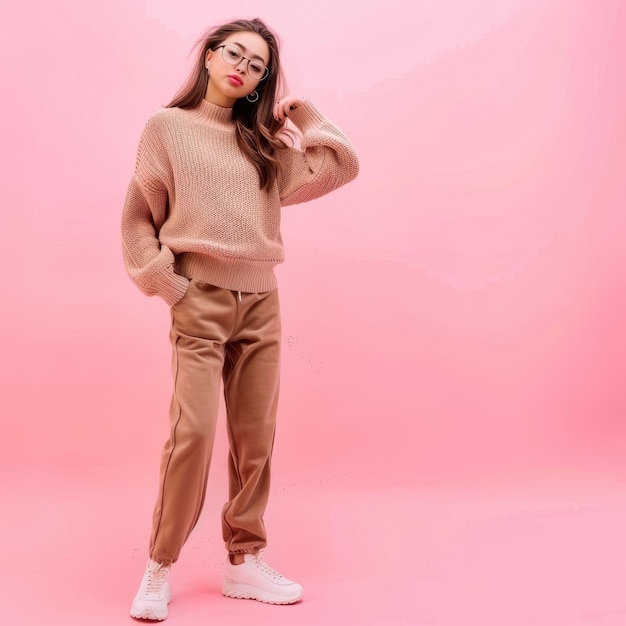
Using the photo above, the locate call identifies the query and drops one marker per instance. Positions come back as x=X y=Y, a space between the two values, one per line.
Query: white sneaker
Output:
x=154 y=593
x=256 y=580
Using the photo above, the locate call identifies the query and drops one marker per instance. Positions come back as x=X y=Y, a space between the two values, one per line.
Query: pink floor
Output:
x=551 y=553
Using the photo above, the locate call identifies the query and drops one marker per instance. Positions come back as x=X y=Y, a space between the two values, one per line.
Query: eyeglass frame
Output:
x=267 y=69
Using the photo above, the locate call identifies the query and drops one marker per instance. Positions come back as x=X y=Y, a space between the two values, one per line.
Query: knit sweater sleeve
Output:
x=325 y=161
x=149 y=263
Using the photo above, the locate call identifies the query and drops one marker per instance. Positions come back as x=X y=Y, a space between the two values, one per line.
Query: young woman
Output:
x=201 y=229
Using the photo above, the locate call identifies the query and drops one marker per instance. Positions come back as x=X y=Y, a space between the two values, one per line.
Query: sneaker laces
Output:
x=155 y=581
x=265 y=568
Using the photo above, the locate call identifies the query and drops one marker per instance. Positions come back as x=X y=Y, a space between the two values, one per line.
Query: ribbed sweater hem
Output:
x=249 y=276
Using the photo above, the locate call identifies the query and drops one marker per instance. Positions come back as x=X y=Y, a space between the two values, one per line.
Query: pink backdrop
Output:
x=455 y=316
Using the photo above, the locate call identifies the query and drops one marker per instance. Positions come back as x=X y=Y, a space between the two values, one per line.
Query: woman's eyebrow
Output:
x=254 y=56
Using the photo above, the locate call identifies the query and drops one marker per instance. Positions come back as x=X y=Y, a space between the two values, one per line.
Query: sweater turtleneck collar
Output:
x=214 y=115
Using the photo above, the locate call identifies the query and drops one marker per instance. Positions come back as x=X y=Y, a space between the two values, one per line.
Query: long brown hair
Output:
x=256 y=127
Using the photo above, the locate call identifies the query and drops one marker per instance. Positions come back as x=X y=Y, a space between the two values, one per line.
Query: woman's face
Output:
x=234 y=70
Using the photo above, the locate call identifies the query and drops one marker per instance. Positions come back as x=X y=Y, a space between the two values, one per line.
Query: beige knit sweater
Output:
x=194 y=207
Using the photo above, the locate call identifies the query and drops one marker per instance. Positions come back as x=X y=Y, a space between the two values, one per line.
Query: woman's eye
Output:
x=233 y=54
x=255 y=67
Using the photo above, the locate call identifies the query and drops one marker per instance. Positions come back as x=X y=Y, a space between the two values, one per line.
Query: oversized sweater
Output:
x=195 y=209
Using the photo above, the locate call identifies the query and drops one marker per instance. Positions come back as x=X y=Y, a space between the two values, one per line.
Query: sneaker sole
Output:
x=241 y=591
x=149 y=613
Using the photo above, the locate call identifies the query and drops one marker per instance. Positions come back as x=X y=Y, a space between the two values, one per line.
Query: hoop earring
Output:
x=254 y=98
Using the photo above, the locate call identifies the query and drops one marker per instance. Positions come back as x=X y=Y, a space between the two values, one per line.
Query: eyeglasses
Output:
x=232 y=56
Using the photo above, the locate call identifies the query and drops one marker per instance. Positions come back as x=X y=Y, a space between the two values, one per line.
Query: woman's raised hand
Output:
x=283 y=106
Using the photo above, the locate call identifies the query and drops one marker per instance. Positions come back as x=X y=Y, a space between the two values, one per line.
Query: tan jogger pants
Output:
x=218 y=334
